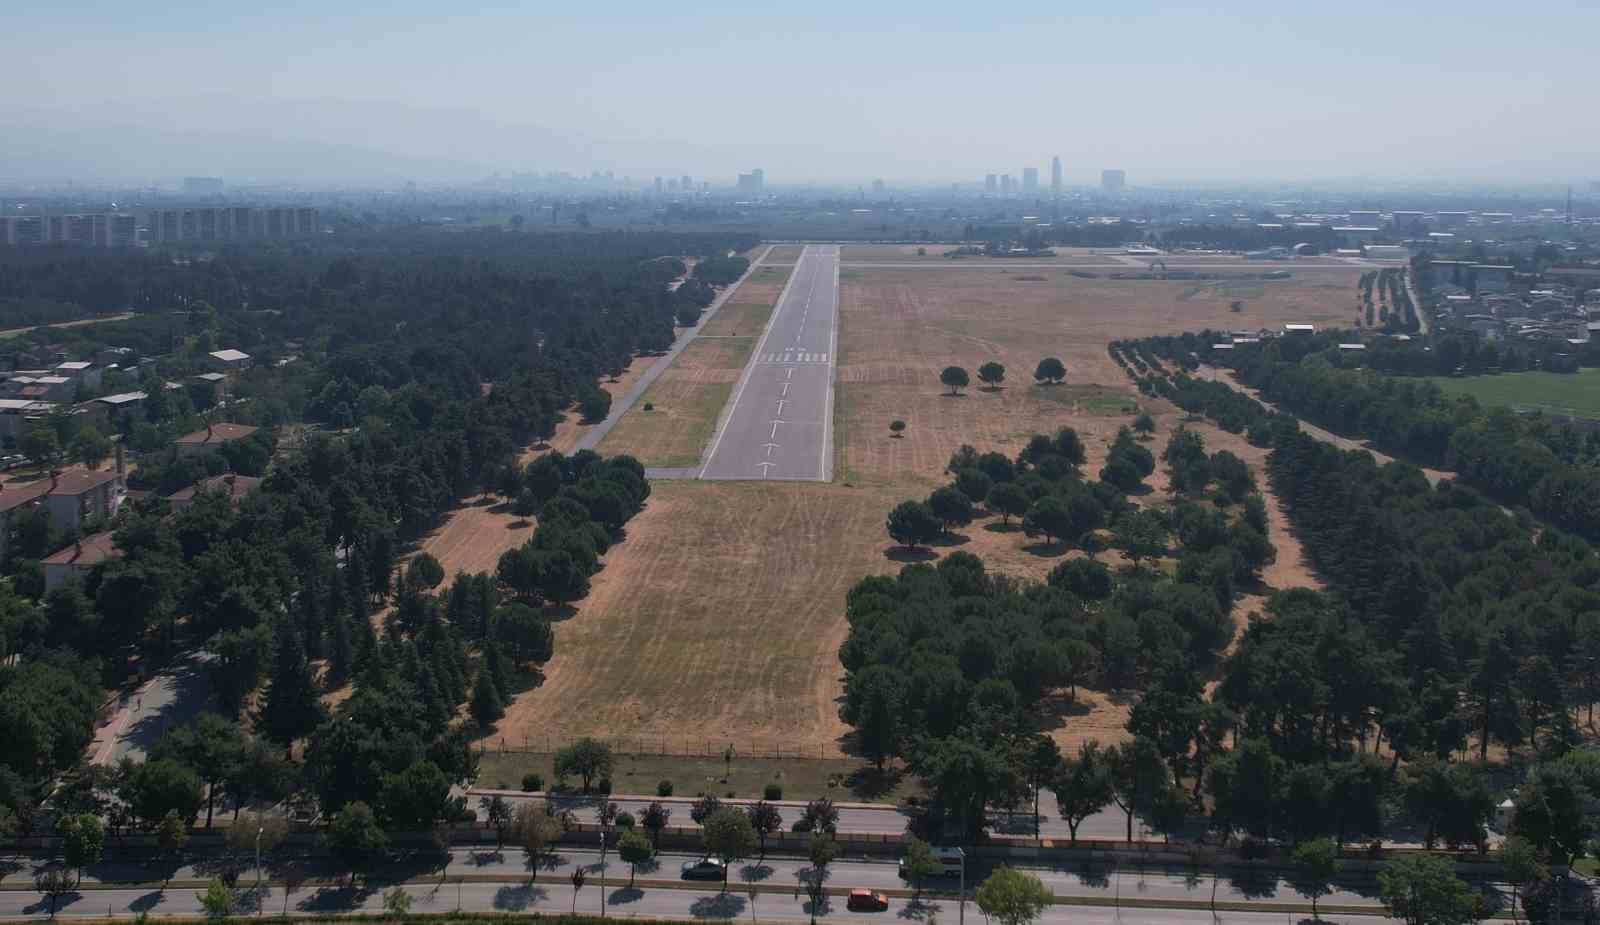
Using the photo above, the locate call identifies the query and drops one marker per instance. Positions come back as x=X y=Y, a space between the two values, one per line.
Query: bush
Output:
x=664 y=789
x=625 y=820
x=532 y=783
x=649 y=406
x=773 y=791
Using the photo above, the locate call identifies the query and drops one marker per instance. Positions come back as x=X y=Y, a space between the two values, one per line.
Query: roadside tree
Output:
x=1012 y=897
x=588 y=758
x=729 y=835
x=634 y=848
x=913 y=524
x=954 y=378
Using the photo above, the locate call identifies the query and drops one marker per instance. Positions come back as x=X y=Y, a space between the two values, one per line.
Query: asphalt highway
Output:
x=780 y=421
x=483 y=880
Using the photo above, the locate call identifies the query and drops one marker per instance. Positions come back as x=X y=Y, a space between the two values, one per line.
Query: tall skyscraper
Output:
x=1030 y=179
x=1055 y=175
x=1005 y=184
x=1113 y=181
x=991 y=183
x=752 y=182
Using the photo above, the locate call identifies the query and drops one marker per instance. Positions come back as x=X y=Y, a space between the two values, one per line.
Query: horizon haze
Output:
x=829 y=93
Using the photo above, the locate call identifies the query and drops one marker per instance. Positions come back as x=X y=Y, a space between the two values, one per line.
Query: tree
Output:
x=953 y=508
x=578 y=877
x=355 y=839
x=498 y=812
x=91 y=448
x=704 y=808
x=54 y=883
x=655 y=818
x=1144 y=423
x=873 y=703
x=634 y=848
x=729 y=835
x=918 y=863
x=595 y=405
x=83 y=841
x=417 y=798
x=1423 y=889
x=820 y=816
x=1040 y=761
x=1048 y=515
x=1141 y=535
x=397 y=902
x=588 y=758
x=974 y=483
x=1083 y=787
x=897 y=427
x=821 y=852
x=1008 y=500
x=1520 y=862
x=764 y=819
x=1137 y=776
x=218 y=899
x=537 y=829
x=487 y=706
x=1051 y=370
x=1550 y=813
x=1012 y=897
x=913 y=524
x=992 y=374
x=1315 y=864
x=159 y=788
x=954 y=378
x=172 y=834
x=424 y=572
x=291 y=709
x=211 y=745
x=41 y=445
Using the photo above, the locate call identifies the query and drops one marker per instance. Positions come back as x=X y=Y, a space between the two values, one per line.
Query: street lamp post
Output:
x=259 y=829
x=961 y=916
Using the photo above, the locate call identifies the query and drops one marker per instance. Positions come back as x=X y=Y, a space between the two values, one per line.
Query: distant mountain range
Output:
x=317 y=142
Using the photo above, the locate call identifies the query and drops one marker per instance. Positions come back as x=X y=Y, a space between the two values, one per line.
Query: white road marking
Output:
x=785 y=388
x=764 y=466
x=789 y=372
x=781 y=403
x=770 y=447
x=775 y=429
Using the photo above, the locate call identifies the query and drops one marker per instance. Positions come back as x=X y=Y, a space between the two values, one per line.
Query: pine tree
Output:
x=291 y=708
x=341 y=655
x=487 y=704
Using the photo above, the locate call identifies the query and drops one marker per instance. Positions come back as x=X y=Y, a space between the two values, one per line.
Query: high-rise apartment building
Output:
x=1113 y=181
x=1030 y=179
x=1055 y=175
x=752 y=182
x=85 y=229
x=991 y=183
x=1005 y=184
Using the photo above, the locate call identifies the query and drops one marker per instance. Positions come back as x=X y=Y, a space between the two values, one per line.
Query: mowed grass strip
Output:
x=1575 y=394
x=683 y=405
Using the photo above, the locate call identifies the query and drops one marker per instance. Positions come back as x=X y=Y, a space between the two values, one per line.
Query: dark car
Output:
x=703 y=869
x=866 y=901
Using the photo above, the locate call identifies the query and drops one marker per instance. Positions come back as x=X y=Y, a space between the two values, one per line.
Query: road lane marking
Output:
x=781 y=403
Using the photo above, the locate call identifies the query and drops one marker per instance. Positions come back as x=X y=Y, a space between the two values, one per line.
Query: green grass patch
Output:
x=838 y=779
x=677 y=428
x=1088 y=399
x=1575 y=394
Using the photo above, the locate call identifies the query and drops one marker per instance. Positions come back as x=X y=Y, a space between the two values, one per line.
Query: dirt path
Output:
x=13 y=332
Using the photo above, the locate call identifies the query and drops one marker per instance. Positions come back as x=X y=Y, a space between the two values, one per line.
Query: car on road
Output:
x=866 y=901
x=704 y=869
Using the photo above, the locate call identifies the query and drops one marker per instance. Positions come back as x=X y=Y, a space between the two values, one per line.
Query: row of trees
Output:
x=992 y=374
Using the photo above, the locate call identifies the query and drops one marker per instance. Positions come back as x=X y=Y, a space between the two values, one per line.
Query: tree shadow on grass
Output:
x=147 y=902
x=621 y=896
x=902 y=554
x=334 y=899
x=518 y=898
x=1252 y=881
x=1012 y=527
x=869 y=783
x=951 y=539
x=504 y=507
x=956 y=395
x=919 y=910
x=519 y=524
x=755 y=873
x=720 y=906
x=1047 y=550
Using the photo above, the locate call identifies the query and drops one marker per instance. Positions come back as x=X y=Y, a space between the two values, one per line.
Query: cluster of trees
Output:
x=400 y=334
x=1528 y=461
x=947 y=665
x=720 y=269
x=1393 y=309
x=1049 y=371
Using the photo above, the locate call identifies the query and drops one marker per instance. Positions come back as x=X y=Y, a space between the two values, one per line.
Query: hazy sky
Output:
x=826 y=90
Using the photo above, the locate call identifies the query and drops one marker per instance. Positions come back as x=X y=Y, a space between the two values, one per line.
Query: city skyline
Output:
x=1255 y=93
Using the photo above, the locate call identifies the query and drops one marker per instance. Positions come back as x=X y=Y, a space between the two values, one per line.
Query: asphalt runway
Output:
x=780 y=424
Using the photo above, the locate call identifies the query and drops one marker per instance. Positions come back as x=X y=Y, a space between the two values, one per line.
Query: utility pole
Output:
x=961 y=916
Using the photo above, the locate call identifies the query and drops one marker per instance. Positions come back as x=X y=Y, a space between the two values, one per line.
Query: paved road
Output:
x=1253 y=267
x=620 y=406
x=174 y=697
x=780 y=422
x=488 y=881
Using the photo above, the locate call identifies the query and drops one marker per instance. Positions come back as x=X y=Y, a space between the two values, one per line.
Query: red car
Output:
x=866 y=901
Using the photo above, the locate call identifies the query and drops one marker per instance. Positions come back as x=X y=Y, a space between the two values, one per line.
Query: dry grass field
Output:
x=721 y=614
x=686 y=400
x=781 y=253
